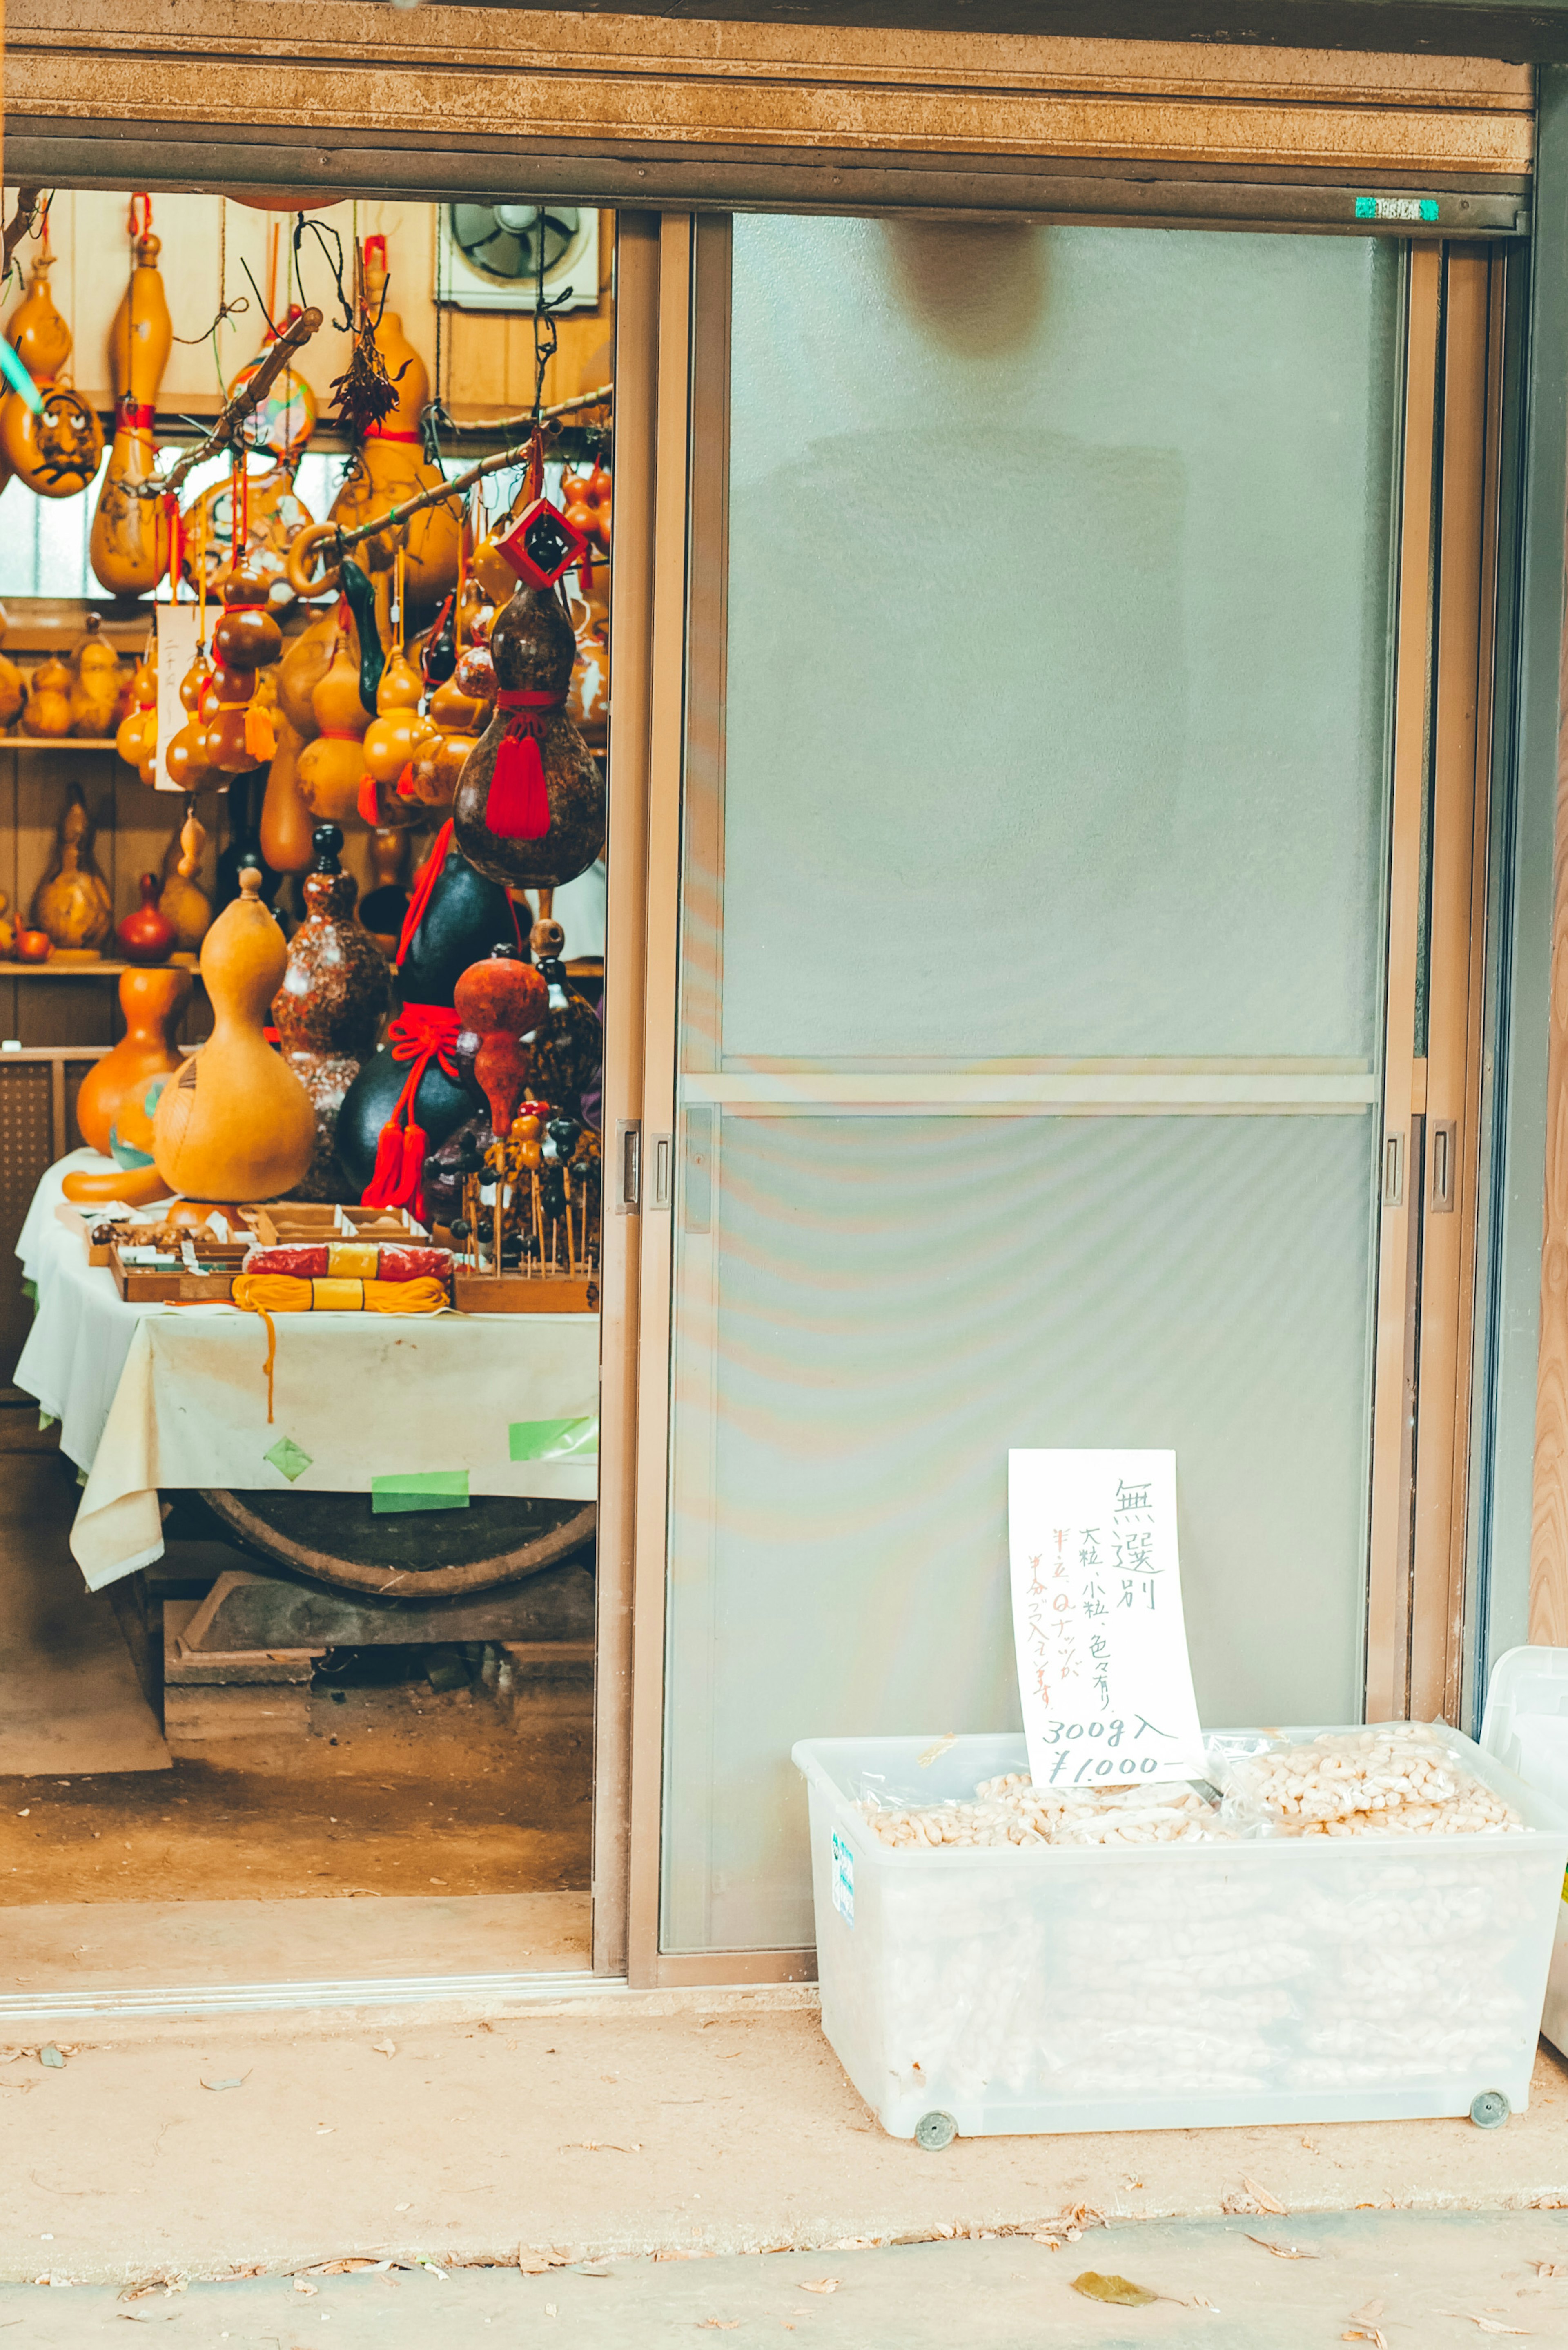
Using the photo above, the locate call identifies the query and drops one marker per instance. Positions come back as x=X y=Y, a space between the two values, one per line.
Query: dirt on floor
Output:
x=400 y=1790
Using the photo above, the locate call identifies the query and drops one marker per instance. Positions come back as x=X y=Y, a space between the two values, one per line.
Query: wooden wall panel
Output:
x=489 y=364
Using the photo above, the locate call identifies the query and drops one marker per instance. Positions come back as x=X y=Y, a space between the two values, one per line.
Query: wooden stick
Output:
x=250 y=396
x=603 y=398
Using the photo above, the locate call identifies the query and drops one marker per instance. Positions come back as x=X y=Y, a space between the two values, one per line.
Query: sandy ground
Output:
x=682 y=2122
x=1419 y=2280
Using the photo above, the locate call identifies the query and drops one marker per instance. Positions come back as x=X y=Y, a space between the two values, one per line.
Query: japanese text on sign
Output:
x=1103 y=1667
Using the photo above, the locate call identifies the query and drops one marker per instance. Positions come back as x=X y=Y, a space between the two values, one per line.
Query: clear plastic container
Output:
x=1172 y=1986
x=1526 y=1728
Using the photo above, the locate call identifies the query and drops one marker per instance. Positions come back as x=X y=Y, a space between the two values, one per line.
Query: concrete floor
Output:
x=1399 y=2278
x=618 y=2127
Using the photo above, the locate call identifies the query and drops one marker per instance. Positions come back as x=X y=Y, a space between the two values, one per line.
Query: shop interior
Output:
x=248 y=1716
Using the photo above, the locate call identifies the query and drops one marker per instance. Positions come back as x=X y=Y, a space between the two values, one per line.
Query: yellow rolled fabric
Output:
x=337 y=1296
x=354 y=1259
x=426 y=1296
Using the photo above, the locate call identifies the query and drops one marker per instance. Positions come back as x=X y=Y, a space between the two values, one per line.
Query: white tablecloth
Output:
x=176 y=1396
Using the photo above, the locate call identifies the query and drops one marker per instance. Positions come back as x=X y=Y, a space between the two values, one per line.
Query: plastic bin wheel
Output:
x=1490 y=2109
x=933 y=2131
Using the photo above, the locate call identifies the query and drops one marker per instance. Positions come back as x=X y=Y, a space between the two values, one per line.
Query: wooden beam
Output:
x=580 y=79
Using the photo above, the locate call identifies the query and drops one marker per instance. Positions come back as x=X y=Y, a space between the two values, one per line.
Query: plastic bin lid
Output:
x=1526 y=1724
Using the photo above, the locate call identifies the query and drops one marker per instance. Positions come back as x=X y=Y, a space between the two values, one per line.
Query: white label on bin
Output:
x=1103 y=1669
x=843 y=1879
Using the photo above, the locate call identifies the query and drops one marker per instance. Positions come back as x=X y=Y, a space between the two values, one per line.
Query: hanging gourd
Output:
x=96 y=686
x=235 y=1122
x=530 y=803
x=182 y=901
x=136 y=739
x=186 y=760
x=56 y=451
x=284 y=834
x=396 y=733
x=240 y=735
x=330 y=1006
x=381 y=398
x=129 y=547
x=72 y=903
x=329 y=768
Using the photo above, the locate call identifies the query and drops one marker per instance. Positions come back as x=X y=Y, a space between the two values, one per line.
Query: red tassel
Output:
x=366 y=803
x=388 y=1167
x=411 y=1182
x=518 y=806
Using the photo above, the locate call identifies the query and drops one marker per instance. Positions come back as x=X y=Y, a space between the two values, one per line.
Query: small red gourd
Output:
x=147 y=935
x=502 y=1000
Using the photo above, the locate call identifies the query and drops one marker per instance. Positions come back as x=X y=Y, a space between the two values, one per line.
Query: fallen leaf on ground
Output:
x=231 y=2080
x=51 y=2056
x=1552 y=2268
x=383 y=2047
x=820 y=2284
x=1265 y=2200
x=1286 y=2252
x=1371 y=2333
x=1119 y=2288
x=350 y=2266
x=302 y=2285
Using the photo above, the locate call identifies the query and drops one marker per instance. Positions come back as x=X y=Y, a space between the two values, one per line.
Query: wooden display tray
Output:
x=294 y=1223
x=521 y=1292
x=149 y=1285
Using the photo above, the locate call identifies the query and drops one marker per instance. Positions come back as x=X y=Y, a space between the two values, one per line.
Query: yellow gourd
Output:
x=136 y=737
x=13 y=686
x=306 y=661
x=54 y=450
x=181 y=900
x=186 y=760
x=128 y=548
x=330 y=768
x=392 y=465
x=96 y=687
x=72 y=902
x=47 y=709
x=235 y=1122
x=399 y=726
x=153 y=1004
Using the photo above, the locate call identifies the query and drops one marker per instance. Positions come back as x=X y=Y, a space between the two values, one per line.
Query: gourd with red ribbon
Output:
x=129 y=545
x=530 y=805
x=408 y=1098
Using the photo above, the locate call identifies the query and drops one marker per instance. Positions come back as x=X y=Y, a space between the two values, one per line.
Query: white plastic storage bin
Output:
x=1172 y=1986
x=1526 y=1728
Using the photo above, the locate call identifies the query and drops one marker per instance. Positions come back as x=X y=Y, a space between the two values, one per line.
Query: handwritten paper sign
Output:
x=1103 y=1667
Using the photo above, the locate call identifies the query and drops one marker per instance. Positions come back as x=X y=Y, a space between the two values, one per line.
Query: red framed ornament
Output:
x=542 y=545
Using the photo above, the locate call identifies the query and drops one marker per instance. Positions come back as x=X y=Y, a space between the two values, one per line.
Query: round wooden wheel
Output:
x=420 y=1554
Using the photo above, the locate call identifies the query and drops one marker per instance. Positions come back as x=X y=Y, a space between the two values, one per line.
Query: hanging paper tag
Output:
x=176 y=626
x=1103 y=1668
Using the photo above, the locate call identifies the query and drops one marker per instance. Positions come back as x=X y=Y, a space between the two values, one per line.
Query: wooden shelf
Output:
x=104 y=970
x=54 y=743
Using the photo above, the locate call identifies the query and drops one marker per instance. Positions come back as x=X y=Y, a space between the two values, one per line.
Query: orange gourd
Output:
x=330 y=767
x=129 y=545
x=54 y=450
x=235 y=1122
x=153 y=1003
x=286 y=823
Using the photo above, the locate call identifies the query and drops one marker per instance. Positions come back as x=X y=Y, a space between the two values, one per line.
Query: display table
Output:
x=159 y=1395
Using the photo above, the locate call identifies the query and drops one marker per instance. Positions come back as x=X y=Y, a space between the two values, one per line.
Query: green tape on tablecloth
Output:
x=423 y=1489
x=554 y=1440
x=289 y=1459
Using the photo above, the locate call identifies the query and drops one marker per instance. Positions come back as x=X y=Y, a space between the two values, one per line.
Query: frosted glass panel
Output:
x=880 y=1307
x=1058 y=643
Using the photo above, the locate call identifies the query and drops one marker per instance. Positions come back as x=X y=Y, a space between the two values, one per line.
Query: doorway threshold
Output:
x=86 y=1960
